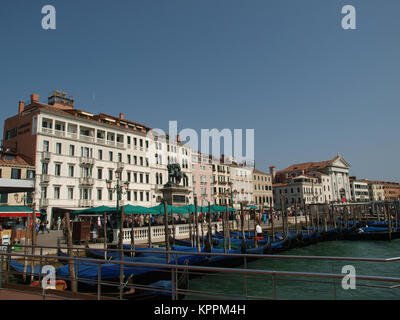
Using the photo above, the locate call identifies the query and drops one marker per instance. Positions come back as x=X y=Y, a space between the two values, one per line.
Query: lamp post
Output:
x=120 y=188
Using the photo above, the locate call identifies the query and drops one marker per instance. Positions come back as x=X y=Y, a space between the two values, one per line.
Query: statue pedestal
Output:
x=176 y=195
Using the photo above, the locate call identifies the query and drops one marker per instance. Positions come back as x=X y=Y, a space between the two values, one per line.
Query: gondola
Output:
x=161 y=290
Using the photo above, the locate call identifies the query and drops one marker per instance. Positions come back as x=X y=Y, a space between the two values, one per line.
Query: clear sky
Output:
x=285 y=68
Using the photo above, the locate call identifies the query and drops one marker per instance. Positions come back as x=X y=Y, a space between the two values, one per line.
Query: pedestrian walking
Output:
x=58 y=223
x=45 y=227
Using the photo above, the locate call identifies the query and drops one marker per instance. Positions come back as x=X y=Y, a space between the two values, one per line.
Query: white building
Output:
x=75 y=152
x=333 y=173
x=359 y=190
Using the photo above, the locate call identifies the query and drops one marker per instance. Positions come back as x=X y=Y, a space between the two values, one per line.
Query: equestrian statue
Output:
x=175 y=174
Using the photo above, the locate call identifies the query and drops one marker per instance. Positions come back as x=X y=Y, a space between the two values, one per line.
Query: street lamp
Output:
x=120 y=188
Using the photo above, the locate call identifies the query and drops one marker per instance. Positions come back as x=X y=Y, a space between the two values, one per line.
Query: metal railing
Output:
x=174 y=270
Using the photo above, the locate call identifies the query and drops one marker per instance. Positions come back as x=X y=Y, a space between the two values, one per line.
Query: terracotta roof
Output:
x=309 y=165
x=260 y=172
x=275 y=185
x=74 y=112
x=18 y=161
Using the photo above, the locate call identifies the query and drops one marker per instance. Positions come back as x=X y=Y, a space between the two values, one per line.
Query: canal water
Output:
x=320 y=289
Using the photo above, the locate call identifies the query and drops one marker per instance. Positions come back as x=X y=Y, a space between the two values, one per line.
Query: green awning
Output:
x=97 y=210
x=160 y=209
x=130 y=209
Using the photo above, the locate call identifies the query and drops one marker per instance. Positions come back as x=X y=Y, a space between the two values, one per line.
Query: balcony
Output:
x=85 y=138
x=86 y=161
x=45 y=178
x=47 y=130
x=85 y=203
x=46 y=156
x=44 y=202
x=59 y=133
x=86 y=181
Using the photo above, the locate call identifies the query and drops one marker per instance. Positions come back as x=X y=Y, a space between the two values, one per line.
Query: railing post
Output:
x=1 y=271
x=245 y=278
x=274 y=286
x=99 y=282
x=334 y=284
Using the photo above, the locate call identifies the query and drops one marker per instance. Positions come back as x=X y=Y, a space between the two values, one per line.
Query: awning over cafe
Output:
x=16 y=211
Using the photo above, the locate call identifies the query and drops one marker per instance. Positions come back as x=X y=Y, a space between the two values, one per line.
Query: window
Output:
x=99 y=173
x=135 y=177
x=56 y=192
x=135 y=160
x=141 y=178
x=147 y=178
x=128 y=174
x=100 y=154
x=43 y=193
x=3 y=197
x=141 y=195
x=70 y=193
x=110 y=156
x=30 y=174
x=57 y=169
x=129 y=159
x=71 y=150
x=135 y=194
x=147 y=196
x=110 y=193
x=45 y=168
x=110 y=174
x=15 y=173
x=128 y=195
x=70 y=171
x=46 y=146
x=58 y=148
x=119 y=157
x=141 y=161
x=99 y=194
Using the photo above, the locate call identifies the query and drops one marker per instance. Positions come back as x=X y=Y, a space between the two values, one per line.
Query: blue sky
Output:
x=284 y=68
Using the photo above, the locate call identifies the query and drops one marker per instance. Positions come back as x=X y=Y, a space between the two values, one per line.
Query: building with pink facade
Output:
x=202 y=174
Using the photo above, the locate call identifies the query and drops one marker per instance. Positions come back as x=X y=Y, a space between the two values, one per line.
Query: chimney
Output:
x=272 y=171
x=121 y=116
x=21 y=107
x=34 y=97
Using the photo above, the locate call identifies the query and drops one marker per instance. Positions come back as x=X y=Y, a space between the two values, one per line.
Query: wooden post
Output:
x=272 y=221
x=255 y=230
x=166 y=231
x=197 y=225
x=74 y=285
x=190 y=229
x=33 y=241
x=389 y=215
x=209 y=233
x=121 y=252
x=295 y=216
x=283 y=215
x=228 y=231
x=242 y=225
x=202 y=227
x=150 y=235
x=105 y=235
x=224 y=229
x=26 y=246
x=133 y=253
x=173 y=226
